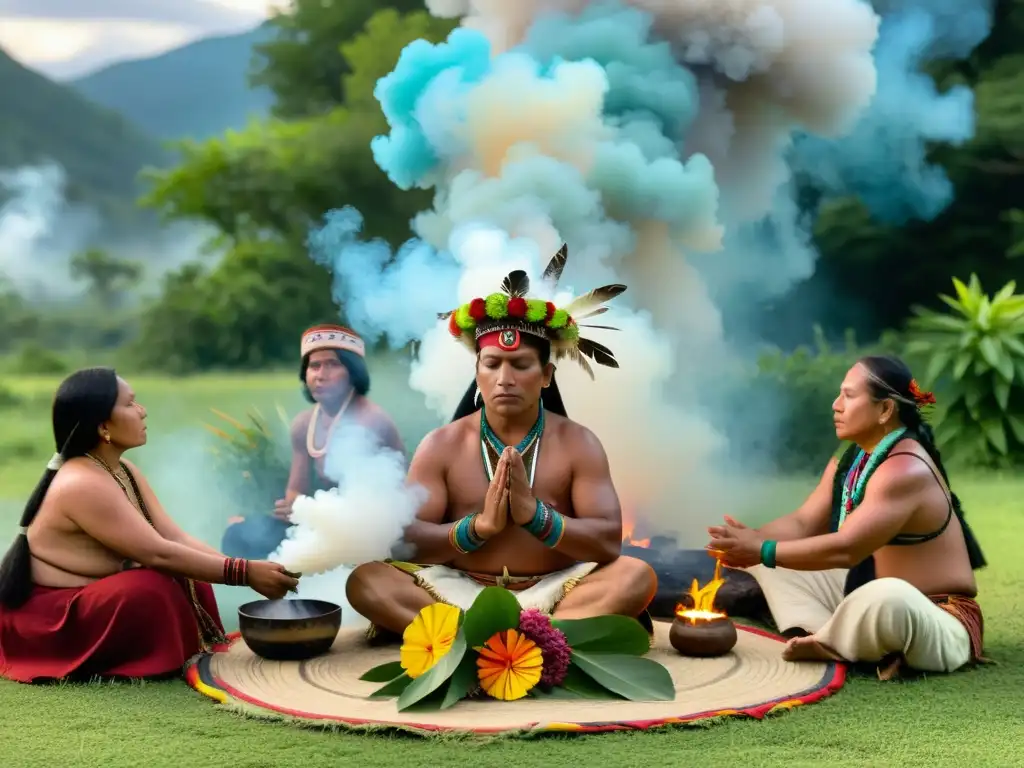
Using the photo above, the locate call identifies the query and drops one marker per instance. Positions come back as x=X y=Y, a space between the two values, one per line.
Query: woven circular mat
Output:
x=752 y=680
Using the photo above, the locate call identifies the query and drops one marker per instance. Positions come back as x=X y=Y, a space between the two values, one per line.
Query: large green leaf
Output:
x=605 y=634
x=384 y=672
x=632 y=677
x=1004 y=293
x=436 y=676
x=937 y=365
x=394 y=688
x=1001 y=389
x=494 y=610
x=933 y=321
x=1016 y=346
x=963 y=362
x=1016 y=426
x=462 y=682
x=1003 y=361
x=995 y=434
x=577 y=685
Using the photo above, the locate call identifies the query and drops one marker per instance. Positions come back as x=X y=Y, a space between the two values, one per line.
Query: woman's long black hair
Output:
x=84 y=400
x=889 y=378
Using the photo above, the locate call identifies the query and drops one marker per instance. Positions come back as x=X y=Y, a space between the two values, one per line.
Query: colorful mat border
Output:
x=200 y=677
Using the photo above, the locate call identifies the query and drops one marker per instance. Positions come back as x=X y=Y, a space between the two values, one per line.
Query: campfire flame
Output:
x=627 y=534
x=629 y=541
x=703 y=600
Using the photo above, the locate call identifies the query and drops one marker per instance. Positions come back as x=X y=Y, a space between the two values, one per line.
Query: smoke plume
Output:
x=656 y=138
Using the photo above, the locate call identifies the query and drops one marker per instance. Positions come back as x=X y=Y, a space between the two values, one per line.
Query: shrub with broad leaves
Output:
x=975 y=362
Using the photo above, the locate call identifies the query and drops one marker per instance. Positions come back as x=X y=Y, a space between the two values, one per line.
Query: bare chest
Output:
x=469 y=477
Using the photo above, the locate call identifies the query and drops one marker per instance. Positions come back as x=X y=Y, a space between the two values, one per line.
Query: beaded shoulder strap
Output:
x=138 y=494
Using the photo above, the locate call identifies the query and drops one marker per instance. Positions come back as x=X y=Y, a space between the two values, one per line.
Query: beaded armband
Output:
x=547 y=525
x=462 y=536
x=236 y=572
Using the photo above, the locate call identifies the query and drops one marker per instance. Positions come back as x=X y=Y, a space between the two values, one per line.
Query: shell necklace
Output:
x=311 y=448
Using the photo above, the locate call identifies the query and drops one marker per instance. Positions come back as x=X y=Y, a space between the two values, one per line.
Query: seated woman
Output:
x=100 y=582
x=335 y=380
x=878 y=564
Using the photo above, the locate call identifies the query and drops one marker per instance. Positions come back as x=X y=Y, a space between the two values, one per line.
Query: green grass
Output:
x=970 y=718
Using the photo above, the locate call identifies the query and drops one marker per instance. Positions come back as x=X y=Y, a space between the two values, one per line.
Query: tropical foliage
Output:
x=498 y=650
x=250 y=458
x=976 y=361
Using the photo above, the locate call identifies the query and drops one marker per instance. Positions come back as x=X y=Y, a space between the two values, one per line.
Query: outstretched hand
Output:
x=524 y=503
x=734 y=544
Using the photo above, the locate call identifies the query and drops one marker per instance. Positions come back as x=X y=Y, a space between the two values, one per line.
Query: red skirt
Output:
x=138 y=623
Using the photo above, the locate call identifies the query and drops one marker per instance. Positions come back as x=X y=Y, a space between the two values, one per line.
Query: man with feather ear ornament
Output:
x=517 y=494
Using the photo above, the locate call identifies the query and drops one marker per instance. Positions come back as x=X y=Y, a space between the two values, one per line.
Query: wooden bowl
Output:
x=703 y=637
x=289 y=630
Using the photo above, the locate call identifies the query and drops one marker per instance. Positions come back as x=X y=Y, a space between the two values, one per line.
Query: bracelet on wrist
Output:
x=546 y=525
x=463 y=536
x=768 y=553
x=236 y=572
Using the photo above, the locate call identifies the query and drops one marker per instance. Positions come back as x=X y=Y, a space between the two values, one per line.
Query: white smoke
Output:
x=357 y=522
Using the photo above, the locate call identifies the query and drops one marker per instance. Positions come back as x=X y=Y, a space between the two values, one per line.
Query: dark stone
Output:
x=739 y=597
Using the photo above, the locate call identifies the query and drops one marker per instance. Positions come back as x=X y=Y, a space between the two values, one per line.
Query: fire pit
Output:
x=701 y=630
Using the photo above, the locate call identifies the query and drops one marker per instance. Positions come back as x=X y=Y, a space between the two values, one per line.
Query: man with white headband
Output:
x=336 y=380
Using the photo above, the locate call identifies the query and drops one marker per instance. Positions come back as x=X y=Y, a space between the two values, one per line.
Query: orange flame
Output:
x=703 y=600
x=627 y=537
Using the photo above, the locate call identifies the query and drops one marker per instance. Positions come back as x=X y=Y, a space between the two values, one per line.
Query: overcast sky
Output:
x=68 y=38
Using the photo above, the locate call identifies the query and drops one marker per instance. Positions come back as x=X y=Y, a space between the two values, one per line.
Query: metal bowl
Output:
x=289 y=630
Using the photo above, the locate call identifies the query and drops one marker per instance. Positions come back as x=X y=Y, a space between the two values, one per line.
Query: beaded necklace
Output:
x=492 y=447
x=863 y=467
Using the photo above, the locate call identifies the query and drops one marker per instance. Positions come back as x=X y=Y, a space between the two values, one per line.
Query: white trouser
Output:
x=883 y=617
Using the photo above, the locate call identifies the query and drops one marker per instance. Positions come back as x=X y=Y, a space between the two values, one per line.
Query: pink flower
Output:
x=553 y=646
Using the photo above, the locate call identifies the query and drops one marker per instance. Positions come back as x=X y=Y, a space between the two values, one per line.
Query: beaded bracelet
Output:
x=547 y=525
x=236 y=572
x=463 y=537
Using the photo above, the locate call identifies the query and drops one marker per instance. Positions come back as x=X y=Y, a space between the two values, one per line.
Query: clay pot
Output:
x=703 y=638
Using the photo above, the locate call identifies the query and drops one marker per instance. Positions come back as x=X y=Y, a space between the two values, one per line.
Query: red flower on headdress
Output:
x=517 y=307
x=453 y=327
x=920 y=397
x=477 y=309
x=550 y=311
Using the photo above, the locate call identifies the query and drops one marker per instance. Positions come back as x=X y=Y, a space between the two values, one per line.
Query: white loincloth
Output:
x=454 y=587
x=883 y=617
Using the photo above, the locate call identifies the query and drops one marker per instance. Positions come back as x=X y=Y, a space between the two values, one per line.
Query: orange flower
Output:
x=509 y=665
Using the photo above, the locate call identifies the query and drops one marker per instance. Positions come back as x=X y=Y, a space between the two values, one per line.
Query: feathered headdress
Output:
x=498 y=319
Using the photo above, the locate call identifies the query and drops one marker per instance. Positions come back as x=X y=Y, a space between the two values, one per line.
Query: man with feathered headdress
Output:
x=519 y=495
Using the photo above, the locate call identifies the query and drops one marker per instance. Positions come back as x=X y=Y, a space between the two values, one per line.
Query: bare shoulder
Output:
x=902 y=474
x=82 y=482
x=374 y=415
x=578 y=441
x=301 y=422
x=445 y=438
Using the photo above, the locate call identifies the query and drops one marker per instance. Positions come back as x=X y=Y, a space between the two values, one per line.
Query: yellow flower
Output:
x=428 y=638
x=509 y=665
